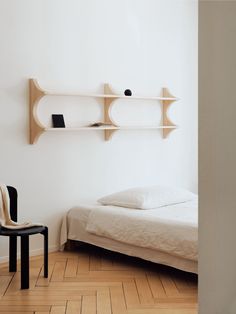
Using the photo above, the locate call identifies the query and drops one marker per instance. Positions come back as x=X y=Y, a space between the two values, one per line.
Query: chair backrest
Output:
x=13 y=202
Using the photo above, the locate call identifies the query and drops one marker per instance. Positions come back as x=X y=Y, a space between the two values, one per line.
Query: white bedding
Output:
x=172 y=229
x=177 y=222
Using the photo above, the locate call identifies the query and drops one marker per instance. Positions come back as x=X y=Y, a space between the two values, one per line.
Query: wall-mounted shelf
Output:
x=36 y=127
x=86 y=128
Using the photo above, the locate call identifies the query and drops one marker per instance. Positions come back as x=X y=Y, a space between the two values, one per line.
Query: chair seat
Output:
x=22 y=232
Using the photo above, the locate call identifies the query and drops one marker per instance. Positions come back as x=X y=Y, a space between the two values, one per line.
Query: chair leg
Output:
x=25 y=262
x=46 y=253
x=12 y=253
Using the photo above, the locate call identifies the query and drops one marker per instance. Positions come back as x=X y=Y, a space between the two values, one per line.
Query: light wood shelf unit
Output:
x=36 y=93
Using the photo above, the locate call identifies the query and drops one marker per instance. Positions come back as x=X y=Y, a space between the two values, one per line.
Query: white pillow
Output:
x=148 y=197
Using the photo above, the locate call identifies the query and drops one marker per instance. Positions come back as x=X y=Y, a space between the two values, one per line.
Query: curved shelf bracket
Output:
x=107 y=111
x=165 y=107
x=35 y=94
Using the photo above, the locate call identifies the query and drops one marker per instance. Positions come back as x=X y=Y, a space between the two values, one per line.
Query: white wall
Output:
x=76 y=45
x=217 y=111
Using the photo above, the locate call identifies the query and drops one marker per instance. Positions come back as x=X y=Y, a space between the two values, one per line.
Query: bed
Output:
x=165 y=235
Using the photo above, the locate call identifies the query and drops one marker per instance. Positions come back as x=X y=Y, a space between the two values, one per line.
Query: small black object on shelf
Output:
x=128 y=92
x=58 y=121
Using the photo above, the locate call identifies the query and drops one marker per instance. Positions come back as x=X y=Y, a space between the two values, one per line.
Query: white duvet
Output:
x=172 y=229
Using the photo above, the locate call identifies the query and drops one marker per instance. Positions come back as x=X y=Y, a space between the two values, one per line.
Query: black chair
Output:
x=24 y=233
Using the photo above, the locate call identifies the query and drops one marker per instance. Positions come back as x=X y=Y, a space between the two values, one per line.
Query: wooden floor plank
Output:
x=162 y=311
x=168 y=305
x=156 y=286
x=144 y=291
x=58 y=271
x=4 y=283
x=131 y=294
x=4 y=270
x=169 y=286
x=19 y=312
x=58 y=309
x=25 y=301
x=73 y=285
x=24 y=308
x=14 y=285
x=45 y=281
x=71 y=267
x=103 y=302
x=34 y=274
x=55 y=299
x=73 y=307
x=89 y=305
x=117 y=300
x=52 y=293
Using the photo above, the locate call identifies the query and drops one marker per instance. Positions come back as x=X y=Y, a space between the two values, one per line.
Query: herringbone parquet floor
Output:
x=90 y=280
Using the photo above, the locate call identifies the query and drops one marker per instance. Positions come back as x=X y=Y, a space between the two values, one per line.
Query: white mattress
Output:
x=166 y=235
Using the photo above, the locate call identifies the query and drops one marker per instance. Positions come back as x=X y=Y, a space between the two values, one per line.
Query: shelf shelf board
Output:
x=113 y=96
x=85 y=128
